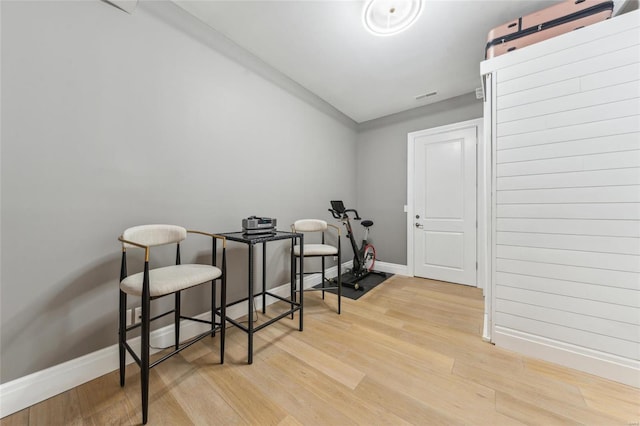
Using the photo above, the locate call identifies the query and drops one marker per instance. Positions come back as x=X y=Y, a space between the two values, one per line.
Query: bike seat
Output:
x=367 y=223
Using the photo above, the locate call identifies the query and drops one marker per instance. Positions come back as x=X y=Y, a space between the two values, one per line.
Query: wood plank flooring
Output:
x=407 y=353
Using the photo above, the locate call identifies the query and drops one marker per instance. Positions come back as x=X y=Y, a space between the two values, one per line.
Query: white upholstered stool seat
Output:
x=316 y=250
x=169 y=279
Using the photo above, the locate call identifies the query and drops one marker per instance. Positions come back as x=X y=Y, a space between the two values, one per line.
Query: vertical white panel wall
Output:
x=564 y=117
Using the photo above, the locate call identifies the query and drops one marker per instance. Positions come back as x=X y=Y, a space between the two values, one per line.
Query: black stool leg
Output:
x=122 y=334
x=339 y=276
x=177 y=320
x=214 y=288
x=322 y=277
x=122 y=317
x=223 y=306
x=339 y=286
x=294 y=279
x=144 y=358
x=298 y=261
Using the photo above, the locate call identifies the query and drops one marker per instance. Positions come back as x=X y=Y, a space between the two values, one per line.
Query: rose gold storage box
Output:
x=546 y=23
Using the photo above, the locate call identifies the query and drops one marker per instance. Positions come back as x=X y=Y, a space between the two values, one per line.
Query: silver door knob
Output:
x=418 y=225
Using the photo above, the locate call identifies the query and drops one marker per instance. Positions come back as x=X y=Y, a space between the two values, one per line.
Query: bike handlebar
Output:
x=338 y=215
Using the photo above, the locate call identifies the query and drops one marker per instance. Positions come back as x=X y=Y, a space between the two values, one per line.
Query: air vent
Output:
x=425 y=95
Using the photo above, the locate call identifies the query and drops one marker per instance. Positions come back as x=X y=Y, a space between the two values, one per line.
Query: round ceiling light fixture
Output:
x=388 y=17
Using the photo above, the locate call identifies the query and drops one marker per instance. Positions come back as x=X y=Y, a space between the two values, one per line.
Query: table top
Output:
x=259 y=238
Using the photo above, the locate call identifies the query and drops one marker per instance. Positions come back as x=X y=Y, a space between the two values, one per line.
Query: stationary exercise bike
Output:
x=364 y=258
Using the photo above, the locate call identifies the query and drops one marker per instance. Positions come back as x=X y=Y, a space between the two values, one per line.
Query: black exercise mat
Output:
x=366 y=284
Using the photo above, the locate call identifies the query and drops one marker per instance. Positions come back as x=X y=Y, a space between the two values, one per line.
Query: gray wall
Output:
x=382 y=169
x=111 y=120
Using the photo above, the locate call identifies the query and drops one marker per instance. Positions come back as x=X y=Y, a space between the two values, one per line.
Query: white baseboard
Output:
x=486 y=336
x=36 y=387
x=391 y=268
x=601 y=364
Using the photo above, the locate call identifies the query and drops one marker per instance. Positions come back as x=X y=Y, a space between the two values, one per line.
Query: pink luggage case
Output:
x=546 y=23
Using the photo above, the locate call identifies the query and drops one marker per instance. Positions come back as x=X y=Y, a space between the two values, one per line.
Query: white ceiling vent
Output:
x=426 y=95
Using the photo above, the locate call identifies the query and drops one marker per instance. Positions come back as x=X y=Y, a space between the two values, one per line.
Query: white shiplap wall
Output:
x=566 y=212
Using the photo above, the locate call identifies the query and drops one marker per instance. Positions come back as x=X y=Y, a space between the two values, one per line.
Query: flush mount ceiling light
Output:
x=387 y=17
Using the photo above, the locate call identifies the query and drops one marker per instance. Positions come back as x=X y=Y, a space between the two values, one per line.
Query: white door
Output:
x=444 y=220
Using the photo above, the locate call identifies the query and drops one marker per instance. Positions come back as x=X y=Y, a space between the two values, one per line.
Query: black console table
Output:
x=296 y=304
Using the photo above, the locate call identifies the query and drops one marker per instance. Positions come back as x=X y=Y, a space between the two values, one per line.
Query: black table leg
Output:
x=264 y=277
x=250 y=308
x=292 y=275
x=301 y=277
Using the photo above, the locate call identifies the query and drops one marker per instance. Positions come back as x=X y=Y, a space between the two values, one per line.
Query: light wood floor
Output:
x=408 y=352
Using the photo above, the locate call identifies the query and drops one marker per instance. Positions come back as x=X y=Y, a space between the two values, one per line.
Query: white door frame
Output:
x=481 y=204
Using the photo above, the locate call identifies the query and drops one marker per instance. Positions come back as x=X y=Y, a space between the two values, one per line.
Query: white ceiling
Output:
x=323 y=46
